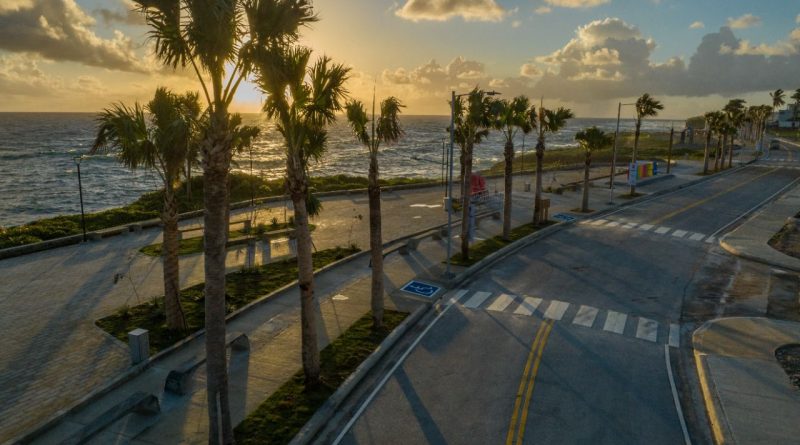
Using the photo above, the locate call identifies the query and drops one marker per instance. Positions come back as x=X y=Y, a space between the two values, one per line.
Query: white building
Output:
x=784 y=118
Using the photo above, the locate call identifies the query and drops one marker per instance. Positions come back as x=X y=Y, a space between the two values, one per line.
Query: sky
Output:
x=588 y=55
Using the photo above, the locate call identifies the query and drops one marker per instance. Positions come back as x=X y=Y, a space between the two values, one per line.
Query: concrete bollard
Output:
x=266 y=251
x=250 y=259
x=139 y=343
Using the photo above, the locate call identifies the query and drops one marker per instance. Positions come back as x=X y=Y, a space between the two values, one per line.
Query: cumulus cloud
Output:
x=797 y=19
x=530 y=70
x=126 y=14
x=20 y=75
x=697 y=25
x=745 y=21
x=542 y=10
x=577 y=3
x=442 y=10
x=60 y=30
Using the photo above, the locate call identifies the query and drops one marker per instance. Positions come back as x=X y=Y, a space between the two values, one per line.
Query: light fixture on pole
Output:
x=448 y=200
x=78 y=160
x=614 y=152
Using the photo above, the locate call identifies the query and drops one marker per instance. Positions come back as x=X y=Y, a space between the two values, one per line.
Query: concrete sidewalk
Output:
x=748 y=396
x=750 y=240
x=65 y=339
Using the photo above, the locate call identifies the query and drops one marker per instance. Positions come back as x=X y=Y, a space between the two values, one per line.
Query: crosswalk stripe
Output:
x=599 y=222
x=711 y=240
x=663 y=230
x=458 y=295
x=674 y=335
x=645 y=227
x=556 y=310
x=647 y=329
x=679 y=233
x=612 y=224
x=477 y=299
x=697 y=236
x=501 y=303
x=528 y=306
x=630 y=225
x=615 y=322
x=585 y=316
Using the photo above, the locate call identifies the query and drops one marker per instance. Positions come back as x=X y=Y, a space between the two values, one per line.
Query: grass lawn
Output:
x=482 y=249
x=241 y=288
x=284 y=413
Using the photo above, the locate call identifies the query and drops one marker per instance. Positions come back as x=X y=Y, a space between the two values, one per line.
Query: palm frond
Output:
x=358 y=120
x=388 y=128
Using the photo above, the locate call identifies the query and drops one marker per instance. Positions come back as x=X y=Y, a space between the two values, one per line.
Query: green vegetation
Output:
x=788 y=133
x=482 y=249
x=242 y=288
x=652 y=146
x=149 y=205
x=284 y=413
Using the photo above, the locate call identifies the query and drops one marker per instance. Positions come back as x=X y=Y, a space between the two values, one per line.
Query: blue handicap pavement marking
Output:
x=564 y=217
x=419 y=288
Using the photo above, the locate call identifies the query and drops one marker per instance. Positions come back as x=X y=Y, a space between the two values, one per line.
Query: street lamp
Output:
x=614 y=153
x=448 y=205
x=77 y=160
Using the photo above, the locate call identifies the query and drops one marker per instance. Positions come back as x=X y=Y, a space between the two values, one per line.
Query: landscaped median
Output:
x=482 y=249
x=242 y=288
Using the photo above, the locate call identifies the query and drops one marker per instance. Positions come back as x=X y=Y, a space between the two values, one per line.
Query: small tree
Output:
x=549 y=121
x=590 y=139
x=713 y=119
x=384 y=129
x=646 y=106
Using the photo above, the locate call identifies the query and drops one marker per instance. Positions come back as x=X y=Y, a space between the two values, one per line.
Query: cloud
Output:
x=128 y=15
x=577 y=3
x=542 y=10
x=530 y=70
x=516 y=24
x=442 y=10
x=60 y=30
x=797 y=19
x=15 y=5
x=697 y=25
x=745 y=21
x=20 y=75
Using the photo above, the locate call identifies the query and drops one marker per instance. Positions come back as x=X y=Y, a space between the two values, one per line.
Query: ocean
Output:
x=38 y=174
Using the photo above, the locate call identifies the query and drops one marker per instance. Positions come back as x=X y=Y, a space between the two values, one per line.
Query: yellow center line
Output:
x=518 y=401
x=523 y=420
x=701 y=202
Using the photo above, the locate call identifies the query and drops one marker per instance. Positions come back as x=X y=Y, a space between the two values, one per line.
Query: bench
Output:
x=178 y=379
x=139 y=402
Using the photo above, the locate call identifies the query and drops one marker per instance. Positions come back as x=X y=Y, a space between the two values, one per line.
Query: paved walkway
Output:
x=47 y=315
x=748 y=396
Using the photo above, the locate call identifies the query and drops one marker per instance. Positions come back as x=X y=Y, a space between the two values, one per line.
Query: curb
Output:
x=326 y=411
x=719 y=427
x=736 y=252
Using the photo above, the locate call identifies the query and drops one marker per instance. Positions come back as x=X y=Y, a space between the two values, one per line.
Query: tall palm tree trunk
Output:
x=718 y=153
x=706 y=153
x=216 y=164
x=730 y=152
x=309 y=307
x=466 y=198
x=723 y=152
x=633 y=156
x=375 y=240
x=507 y=188
x=537 y=199
x=588 y=163
x=172 y=302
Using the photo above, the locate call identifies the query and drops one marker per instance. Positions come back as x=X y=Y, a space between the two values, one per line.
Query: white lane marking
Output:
x=613 y=224
x=501 y=303
x=585 y=316
x=402 y=359
x=528 y=306
x=630 y=225
x=697 y=236
x=477 y=299
x=645 y=227
x=647 y=329
x=674 y=335
x=679 y=233
x=686 y=439
x=556 y=310
x=599 y=222
x=711 y=240
x=615 y=322
x=663 y=230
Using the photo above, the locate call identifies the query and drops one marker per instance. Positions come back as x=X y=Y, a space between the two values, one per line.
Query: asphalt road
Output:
x=567 y=341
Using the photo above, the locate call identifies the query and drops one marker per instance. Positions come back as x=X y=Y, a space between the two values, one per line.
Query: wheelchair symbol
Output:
x=420 y=288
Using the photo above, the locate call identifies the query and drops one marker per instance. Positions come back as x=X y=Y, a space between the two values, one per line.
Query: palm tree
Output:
x=734 y=113
x=549 y=121
x=302 y=100
x=157 y=141
x=646 y=106
x=472 y=121
x=384 y=129
x=217 y=40
x=778 y=97
x=590 y=139
x=713 y=119
x=510 y=117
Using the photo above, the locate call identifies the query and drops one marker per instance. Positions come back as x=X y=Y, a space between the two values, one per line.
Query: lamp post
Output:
x=77 y=160
x=614 y=152
x=449 y=199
